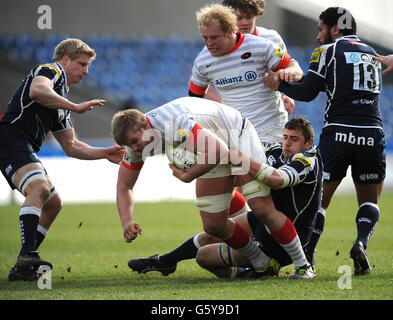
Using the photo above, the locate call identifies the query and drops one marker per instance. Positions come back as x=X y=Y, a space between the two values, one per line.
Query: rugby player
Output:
x=209 y=128
x=247 y=12
x=299 y=201
x=343 y=66
x=38 y=106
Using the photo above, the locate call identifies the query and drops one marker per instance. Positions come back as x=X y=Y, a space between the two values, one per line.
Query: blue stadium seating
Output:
x=153 y=70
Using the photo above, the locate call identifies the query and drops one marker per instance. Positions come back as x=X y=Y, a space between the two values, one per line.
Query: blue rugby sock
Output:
x=319 y=225
x=187 y=250
x=366 y=221
x=28 y=218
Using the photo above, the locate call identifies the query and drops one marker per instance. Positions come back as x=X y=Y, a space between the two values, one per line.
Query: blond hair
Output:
x=215 y=13
x=72 y=48
x=124 y=122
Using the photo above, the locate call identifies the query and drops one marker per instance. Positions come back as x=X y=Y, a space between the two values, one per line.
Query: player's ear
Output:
x=309 y=143
x=335 y=30
x=145 y=125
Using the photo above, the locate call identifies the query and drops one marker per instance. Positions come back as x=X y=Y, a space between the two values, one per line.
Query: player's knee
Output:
x=213 y=230
x=55 y=204
x=202 y=257
x=39 y=189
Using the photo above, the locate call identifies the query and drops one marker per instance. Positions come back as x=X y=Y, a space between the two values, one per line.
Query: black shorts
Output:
x=15 y=152
x=269 y=246
x=361 y=148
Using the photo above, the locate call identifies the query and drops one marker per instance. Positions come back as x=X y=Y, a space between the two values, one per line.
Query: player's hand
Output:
x=285 y=75
x=180 y=174
x=272 y=80
x=131 y=231
x=88 y=105
x=114 y=154
x=387 y=61
x=289 y=104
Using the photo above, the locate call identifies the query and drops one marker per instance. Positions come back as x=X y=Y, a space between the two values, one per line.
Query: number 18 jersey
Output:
x=353 y=82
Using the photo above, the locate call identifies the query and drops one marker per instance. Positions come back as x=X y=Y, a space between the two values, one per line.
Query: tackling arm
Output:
x=41 y=91
x=80 y=150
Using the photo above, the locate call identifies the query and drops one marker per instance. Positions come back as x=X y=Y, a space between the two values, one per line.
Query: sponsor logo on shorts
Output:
x=353 y=139
x=369 y=176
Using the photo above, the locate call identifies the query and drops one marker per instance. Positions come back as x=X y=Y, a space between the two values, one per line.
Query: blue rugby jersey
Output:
x=299 y=202
x=31 y=119
x=352 y=81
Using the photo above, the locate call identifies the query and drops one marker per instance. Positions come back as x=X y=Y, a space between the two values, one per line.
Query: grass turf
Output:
x=86 y=247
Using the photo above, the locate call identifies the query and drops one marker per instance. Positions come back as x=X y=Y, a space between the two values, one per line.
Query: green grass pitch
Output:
x=86 y=247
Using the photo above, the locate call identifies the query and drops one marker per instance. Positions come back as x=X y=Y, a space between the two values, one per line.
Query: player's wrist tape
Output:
x=291 y=177
x=264 y=173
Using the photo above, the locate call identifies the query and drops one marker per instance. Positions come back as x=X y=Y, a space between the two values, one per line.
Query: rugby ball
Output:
x=181 y=157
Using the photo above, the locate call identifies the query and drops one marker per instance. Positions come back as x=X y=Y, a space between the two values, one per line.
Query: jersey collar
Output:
x=238 y=43
x=65 y=75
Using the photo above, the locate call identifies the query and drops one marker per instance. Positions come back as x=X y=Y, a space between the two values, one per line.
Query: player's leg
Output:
x=32 y=182
x=166 y=263
x=51 y=209
x=336 y=157
x=223 y=261
x=213 y=200
x=368 y=173
x=280 y=226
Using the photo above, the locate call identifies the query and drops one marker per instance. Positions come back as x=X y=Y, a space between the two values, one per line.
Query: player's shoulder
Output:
x=320 y=53
x=306 y=158
x=270 y=34
x=275 y=149
x=353 y=43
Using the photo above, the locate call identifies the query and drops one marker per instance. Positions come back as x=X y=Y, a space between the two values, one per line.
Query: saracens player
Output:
x=247 y=12
x=235 y=64
x=189 y=121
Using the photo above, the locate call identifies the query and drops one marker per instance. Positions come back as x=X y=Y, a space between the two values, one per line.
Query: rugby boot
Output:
x=304 y=272
x=26 y=267
x=271 y=271
x=360 y=260
x=153 y=263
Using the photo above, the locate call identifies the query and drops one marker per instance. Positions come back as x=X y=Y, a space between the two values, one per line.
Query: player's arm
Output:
x=387 y=61
x=125 y=202
x=41 y=91
x=211 y=149
x=275 y=178
x=292 y=73
x=80 y=150
x=212 y=94
x=305 y=90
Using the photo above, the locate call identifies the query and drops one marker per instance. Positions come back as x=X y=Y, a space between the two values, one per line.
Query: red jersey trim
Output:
x=198 y=90
x=238 y=44
x=256 y=33
x=195 y=130
x=284 y=62
x=148 y=120
x=136 y=166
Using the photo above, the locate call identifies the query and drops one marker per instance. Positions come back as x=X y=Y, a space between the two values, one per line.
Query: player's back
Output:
x=185 y=112
x=353 y=82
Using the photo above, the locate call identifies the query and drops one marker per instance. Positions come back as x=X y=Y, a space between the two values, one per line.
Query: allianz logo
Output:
x=353 y=139
x=248 y=76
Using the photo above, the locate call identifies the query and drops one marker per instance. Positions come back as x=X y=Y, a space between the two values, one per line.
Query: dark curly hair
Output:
x=333 y=15
x=255 y=7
